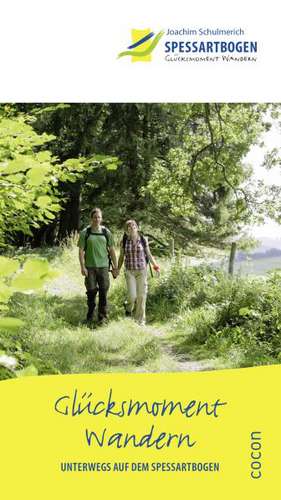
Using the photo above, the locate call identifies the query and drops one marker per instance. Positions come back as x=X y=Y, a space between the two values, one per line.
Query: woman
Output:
x=134 y=249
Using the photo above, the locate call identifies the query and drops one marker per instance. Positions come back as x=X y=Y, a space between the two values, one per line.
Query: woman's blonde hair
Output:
x=129 y=222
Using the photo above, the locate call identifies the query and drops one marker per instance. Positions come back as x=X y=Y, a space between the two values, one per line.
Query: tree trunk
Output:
x=70 y=216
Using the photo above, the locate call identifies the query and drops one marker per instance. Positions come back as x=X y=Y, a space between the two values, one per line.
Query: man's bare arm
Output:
x=84 y=270
x=112 y=254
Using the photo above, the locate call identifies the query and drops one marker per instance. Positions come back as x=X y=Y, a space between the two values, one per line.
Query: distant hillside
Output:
x=268 y=247
x=258 y=267
x=267 y=243
x=272 y=252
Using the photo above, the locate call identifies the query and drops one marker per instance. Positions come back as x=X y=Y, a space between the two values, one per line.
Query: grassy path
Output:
x=57 y=341
x=197 y=320
x=172 y=361
x=57 y=336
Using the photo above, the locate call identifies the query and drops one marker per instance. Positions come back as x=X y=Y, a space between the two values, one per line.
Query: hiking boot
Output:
x=89 y=317
x=102 y=321
x=89 y=321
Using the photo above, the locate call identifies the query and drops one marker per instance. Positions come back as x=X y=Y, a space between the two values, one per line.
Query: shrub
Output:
x=238 y=317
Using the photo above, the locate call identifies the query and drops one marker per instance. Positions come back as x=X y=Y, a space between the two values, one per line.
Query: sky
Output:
x=272 y=139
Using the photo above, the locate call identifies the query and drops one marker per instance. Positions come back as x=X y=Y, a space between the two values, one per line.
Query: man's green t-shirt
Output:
x=96 y=254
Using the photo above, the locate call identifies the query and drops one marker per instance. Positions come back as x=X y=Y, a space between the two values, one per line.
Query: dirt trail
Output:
x=179 y=362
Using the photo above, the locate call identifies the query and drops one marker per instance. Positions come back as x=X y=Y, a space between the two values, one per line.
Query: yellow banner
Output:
x=203 y=435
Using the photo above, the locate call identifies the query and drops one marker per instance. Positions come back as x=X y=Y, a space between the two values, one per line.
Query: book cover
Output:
x=140 y=281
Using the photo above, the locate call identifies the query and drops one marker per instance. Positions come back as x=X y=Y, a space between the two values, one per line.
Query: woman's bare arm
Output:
x=151 y=258
x=121 y=257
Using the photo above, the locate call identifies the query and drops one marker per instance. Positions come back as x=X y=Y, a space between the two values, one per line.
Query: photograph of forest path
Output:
x=185 y=173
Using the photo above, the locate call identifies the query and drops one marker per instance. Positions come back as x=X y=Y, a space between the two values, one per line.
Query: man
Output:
x=95 y=246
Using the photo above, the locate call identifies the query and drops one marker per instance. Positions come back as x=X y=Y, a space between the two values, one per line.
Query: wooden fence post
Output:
x=232 y=257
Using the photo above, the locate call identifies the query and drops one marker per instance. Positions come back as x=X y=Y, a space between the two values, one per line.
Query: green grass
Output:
x=122 y=347
x=55 y=337
x=198 y=318
x=56 y=340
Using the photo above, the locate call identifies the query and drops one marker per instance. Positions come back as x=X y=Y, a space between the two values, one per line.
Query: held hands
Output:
x=84 y=271
x=115 y=272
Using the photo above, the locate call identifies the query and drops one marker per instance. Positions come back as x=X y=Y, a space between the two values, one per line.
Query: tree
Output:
x=202 y=185
x=180 y=166
x=136 y=133
x=30 y=176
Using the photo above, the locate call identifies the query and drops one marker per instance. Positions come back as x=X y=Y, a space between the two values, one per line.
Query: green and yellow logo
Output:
x=143 y=44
